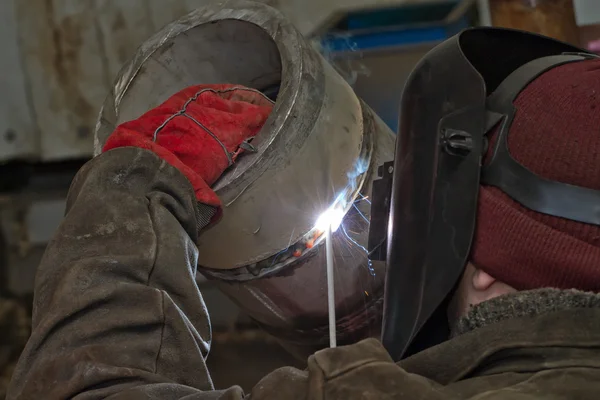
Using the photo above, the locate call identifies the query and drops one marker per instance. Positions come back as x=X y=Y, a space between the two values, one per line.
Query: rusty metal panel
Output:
x=71 y=52
x=18 y=138
x=123 y=27
x=165 y=12
x=311 y=17
x=62 y=54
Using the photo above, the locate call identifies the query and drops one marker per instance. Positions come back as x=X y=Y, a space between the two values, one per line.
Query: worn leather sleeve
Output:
x=366 y=371
x=360 y=371
x=117 y=313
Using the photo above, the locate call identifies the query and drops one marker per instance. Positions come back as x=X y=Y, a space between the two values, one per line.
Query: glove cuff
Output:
x=206 y=215
x=204 y=194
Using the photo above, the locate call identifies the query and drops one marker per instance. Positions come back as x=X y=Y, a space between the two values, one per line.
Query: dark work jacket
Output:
x=117 y=315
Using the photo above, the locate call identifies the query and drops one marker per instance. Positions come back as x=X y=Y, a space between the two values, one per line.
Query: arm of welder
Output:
x=117 y=313
x=361 y=370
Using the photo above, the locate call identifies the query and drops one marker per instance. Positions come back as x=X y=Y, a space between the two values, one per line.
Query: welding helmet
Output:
x=458 y=93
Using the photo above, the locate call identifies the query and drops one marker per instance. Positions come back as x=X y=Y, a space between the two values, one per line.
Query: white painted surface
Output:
x=587 y=12
x=485 y=17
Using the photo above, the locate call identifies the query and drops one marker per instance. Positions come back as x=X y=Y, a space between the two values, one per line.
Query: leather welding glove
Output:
x=199 y=131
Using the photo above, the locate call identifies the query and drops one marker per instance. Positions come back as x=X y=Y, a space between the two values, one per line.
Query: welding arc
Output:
x=330 y=287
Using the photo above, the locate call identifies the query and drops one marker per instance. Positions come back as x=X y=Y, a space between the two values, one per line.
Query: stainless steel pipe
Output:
x=318 y=151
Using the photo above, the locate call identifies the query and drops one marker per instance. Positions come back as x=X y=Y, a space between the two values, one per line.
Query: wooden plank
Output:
x=18 y=136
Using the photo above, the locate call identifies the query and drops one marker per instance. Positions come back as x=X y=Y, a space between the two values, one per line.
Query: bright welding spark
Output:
x=332 y=217
x=360 y=212
x=363 y=248
x=365 y=198
x=369 y=263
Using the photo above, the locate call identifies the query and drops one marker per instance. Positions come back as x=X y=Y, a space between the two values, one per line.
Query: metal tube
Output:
x=330 y=287
x=319 y=148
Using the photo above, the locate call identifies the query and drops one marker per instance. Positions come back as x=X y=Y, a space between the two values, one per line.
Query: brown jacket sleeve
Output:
x=360 y=371
x=117 y=313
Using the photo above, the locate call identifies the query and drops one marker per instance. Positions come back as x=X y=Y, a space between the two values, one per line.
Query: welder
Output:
x=493 y=243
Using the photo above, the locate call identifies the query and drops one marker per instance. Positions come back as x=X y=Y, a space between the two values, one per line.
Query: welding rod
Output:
x=330 y=287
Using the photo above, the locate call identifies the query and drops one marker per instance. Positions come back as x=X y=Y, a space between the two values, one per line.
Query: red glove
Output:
x=198 y=131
